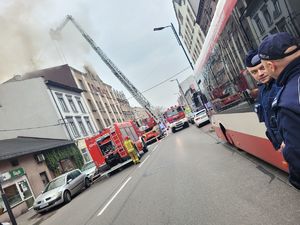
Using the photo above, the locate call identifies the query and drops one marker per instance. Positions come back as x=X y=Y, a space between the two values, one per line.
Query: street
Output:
x=187 y=178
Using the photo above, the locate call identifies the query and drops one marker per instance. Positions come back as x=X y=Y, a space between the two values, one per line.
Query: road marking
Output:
x=155 y=148
x=113 y=197
x=144 y=161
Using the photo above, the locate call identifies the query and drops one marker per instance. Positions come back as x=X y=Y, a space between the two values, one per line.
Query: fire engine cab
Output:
x=176 y=118
x=107 y=149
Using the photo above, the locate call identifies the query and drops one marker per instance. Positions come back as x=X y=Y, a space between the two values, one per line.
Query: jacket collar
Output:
x=289 y=71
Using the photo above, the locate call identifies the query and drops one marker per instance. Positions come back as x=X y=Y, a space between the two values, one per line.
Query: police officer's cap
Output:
x=274 y=46
x=252 y=59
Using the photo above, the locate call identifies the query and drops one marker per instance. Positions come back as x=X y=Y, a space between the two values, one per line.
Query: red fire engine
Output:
x=107 y=149
x=176 y=118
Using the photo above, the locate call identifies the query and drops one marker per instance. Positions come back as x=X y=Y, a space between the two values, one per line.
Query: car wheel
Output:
x=187 y=125
x=173 y=130
x=67 y=197
x=87 y=183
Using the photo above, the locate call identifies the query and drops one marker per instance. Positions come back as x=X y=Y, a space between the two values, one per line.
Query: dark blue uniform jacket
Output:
x=287 y=106
x=267 y=93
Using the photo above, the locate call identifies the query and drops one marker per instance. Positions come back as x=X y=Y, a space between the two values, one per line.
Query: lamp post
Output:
x=178 y=40
x=6 y=203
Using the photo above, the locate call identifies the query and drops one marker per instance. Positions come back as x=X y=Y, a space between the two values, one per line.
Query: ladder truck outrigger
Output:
x=139 y=97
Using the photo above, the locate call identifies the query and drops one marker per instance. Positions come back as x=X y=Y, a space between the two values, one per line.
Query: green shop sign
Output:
x=17 y=172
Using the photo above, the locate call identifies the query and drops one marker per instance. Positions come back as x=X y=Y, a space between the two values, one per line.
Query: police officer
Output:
x=280 y=55
x=268 y=89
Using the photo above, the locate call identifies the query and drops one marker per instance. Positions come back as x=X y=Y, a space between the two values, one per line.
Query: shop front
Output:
x=17 y=190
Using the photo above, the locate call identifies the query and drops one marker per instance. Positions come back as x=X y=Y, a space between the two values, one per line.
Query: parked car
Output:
x=90 y=170
x=201 y=118
x=61 y=190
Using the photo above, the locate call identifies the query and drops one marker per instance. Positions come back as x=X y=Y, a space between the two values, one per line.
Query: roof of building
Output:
x=58 y=74
x=19 y=146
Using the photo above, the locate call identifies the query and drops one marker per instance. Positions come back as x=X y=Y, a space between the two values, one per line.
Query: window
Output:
x=100 y=125
x=12 y=194
x=17 y=193
x=62 y=103
x=106 y=106
x=85 y=155
x=73 y=127
x=44 y=178
x=73 y=107
x=267 y=16
x=259 y=24
x=91 y=105
x=82 y=127
x=88 y=123
x=14 y=162
x=82 y=86
x=277 y=9
x=75 y=174
x=80 y=106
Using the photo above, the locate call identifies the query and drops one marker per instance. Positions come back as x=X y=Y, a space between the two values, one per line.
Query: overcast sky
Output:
x=123 y=29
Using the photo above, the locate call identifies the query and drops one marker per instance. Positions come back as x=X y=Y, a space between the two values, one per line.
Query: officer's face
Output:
x=270 y=68
x=259 y=73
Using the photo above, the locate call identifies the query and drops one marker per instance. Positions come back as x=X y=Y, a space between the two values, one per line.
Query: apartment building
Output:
x=46 y=104
x=191 y=33
x=126 y=109
x=104 y=106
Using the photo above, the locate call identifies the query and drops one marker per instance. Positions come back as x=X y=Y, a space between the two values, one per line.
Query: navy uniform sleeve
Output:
x=289 y=121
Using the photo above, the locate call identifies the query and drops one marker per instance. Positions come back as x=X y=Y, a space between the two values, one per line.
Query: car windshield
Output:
x=58 y=182
x=88 y=166
x=173 y=112
x=200 y=113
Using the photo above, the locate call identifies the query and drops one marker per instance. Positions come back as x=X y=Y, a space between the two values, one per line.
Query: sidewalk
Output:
x=33 y=218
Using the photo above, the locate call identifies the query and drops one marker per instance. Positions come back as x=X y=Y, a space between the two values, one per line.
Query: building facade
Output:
x=268 y=17
x=190 y=31
x=37 y=107
x=140 y=114
x=103 y=105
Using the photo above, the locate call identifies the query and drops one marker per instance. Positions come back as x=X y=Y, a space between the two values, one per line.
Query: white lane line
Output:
x=155 y=148
x=113 y=197
x=144 y=161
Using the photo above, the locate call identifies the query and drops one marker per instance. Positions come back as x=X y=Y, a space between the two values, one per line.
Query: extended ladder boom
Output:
x=140 y=98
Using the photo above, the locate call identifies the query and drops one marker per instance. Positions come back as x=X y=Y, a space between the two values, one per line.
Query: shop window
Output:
x=13 y=195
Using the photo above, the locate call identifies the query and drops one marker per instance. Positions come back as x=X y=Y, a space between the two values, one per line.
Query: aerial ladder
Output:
x=139 y=97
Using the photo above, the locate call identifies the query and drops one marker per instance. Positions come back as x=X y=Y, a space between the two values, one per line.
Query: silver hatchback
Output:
x=60 y=190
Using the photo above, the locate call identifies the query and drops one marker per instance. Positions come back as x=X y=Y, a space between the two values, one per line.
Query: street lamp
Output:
x=181 y=91
x=178 y=40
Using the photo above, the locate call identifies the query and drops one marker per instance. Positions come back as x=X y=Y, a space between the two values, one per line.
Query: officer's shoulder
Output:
x=290 y=96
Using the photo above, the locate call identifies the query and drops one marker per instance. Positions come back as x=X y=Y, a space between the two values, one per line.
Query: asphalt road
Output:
x=188 y=178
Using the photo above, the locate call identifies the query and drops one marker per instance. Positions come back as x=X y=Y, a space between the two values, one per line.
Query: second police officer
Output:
x=268 y=89
x=280 y=55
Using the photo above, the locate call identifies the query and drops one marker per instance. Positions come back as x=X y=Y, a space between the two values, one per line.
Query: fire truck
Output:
x=107 y=149
x=176 y=118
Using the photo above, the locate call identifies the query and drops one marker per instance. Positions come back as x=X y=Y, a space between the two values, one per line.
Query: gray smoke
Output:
x=25 y=41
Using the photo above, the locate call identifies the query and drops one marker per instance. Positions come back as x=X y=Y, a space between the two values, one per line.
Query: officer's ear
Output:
x=273 y=66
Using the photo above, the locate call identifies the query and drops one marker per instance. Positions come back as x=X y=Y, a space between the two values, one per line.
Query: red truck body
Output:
x=107 y=149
